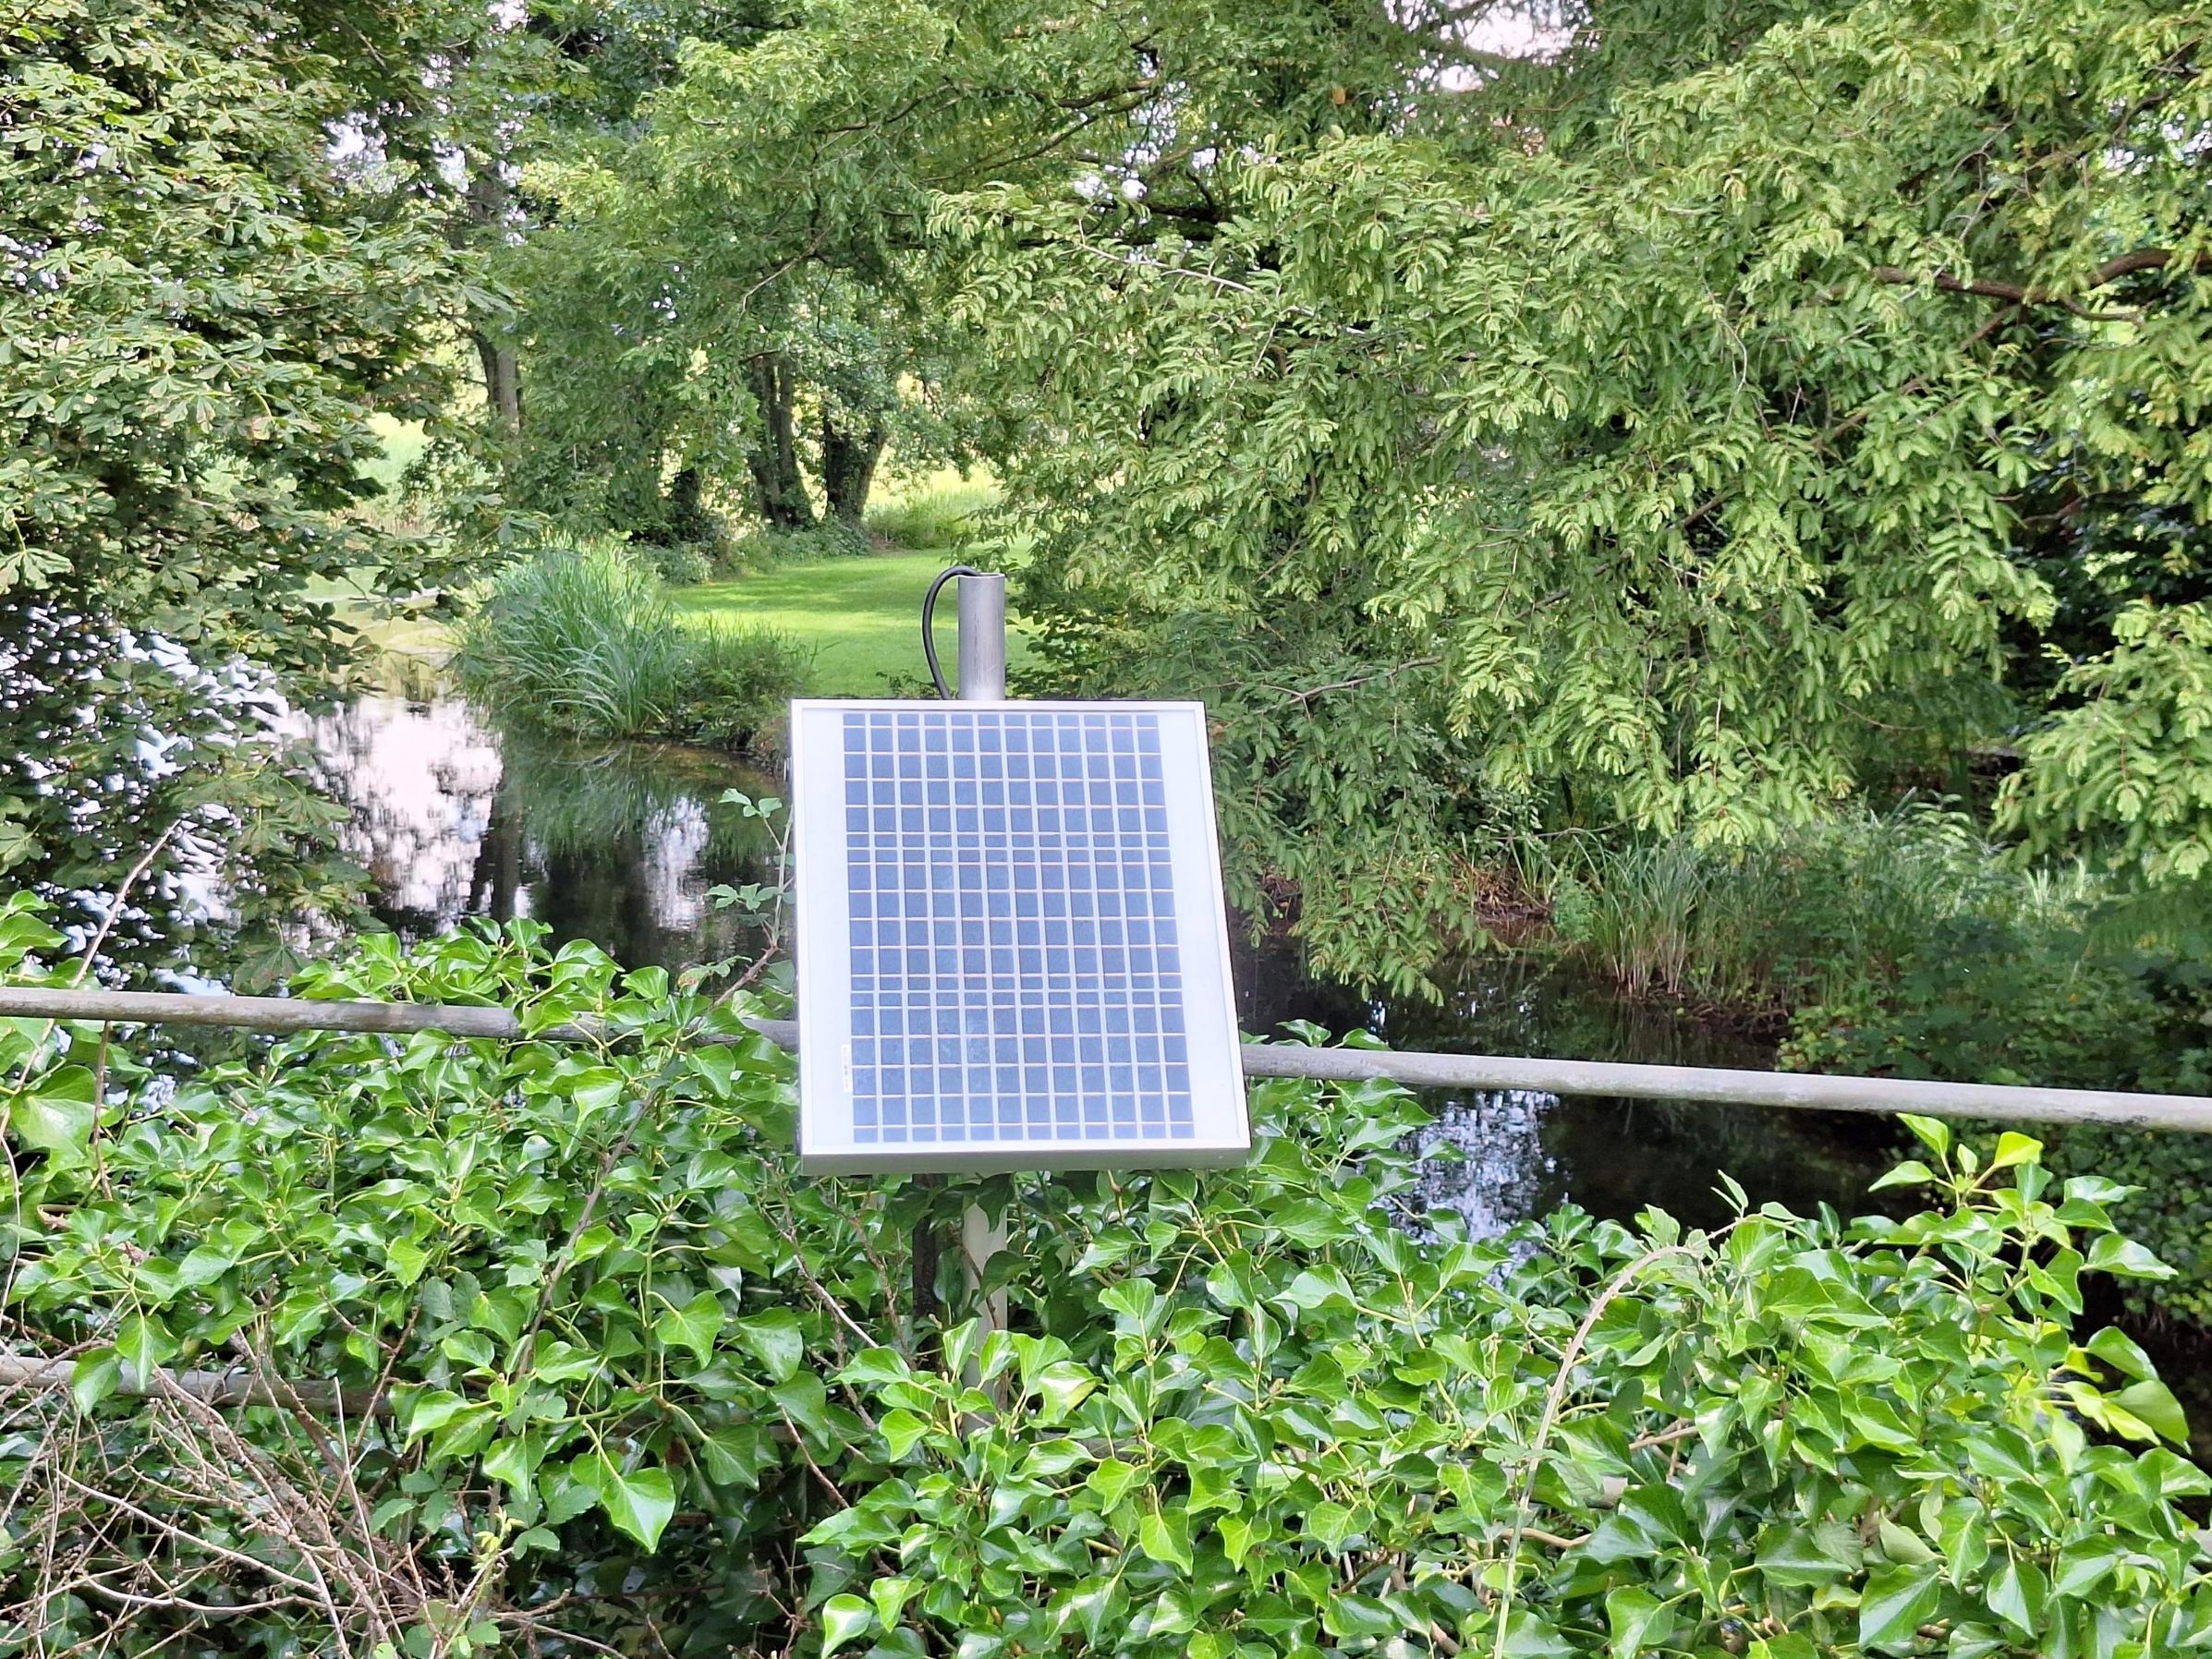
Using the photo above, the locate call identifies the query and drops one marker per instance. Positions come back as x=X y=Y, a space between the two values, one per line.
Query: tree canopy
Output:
x=203 y=308
x=1677 y=441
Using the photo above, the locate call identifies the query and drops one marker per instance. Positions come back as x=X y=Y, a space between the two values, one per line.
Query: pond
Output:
x=621 y=845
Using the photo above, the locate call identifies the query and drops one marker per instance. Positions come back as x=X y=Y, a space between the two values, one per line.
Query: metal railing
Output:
x=1804 y=1090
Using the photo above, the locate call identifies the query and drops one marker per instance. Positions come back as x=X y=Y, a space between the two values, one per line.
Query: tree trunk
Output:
x=502 y=382
x=491 y=203
x=687 y=509
x=683 y=515
x=848 y=465
x=775 y=457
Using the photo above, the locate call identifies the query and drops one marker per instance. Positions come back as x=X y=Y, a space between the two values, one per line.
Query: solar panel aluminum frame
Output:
x=827 y=1143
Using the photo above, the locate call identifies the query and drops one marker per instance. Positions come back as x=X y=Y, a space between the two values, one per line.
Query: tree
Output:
x=202 y=309
x=1706 y=431
x=203 y=305
x=772 y=204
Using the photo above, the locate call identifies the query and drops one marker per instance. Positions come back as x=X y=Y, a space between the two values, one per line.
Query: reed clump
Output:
x=585 y=642
x=1804 y=918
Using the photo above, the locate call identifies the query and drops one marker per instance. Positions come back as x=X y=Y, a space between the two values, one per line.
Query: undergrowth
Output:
x=541 y=1346
x=586 y=644
x=1824 y=907
x=942 y=512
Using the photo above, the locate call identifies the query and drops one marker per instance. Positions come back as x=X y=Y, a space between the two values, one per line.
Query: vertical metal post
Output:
x=982 y=680
x=983 y=638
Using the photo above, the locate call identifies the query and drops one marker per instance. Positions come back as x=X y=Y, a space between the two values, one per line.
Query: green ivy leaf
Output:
x=1165 y=1536
x=776 y=1340
x=1896 y=1603
x=1810 y=1557
x=1903 y=1545
x=143 y=1344
x=2152 y=1402
x=407 y=1259
x=1528 y=1635
x=845 y=1618
x=2116 y=1349
x=902 y=1431
x=639 y=1502
x=1064 y=1385
x=1636 y=1619
x=56 y=1115
x=95 y=1377
x=1931 y=1132
x=2015 y=1594
x=694 y=1326
x=1111 y=1480
x=1352 y=1618
x=2123 y=1258
x=1911 y=1173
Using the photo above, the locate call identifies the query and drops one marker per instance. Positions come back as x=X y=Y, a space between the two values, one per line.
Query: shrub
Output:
x=945 y=511
x=680 y=564
x=738 y=681
x=1827 y=907
x=586 y=643
x=556 y=1351
x=764 y=548
x=2038 y=999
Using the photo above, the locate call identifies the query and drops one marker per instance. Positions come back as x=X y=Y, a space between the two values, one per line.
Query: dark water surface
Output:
x=620 y=845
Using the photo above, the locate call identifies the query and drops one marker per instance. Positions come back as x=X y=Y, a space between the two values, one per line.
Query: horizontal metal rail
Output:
x=1813 y=1091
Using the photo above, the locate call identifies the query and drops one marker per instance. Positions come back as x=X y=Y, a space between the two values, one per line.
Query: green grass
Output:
x=403 y=441
x=861 y=615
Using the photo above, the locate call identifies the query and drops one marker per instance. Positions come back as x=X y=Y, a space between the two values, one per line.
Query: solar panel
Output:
x=1012 y=947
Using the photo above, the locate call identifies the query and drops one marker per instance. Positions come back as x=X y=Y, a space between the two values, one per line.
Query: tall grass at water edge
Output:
x=586 y=644
x=944 y=510
x=1806 y=917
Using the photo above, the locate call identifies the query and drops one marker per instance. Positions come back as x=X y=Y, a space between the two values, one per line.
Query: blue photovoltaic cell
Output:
x=1013 y=962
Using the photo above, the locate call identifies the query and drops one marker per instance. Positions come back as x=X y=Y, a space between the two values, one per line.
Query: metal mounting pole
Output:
x=982 y=680
x=983 y=638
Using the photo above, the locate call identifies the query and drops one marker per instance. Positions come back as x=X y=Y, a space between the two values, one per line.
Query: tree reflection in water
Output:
x=118 y=749
x=614 y=843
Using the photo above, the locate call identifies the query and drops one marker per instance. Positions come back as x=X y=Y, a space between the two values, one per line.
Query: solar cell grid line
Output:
x=1013 y=950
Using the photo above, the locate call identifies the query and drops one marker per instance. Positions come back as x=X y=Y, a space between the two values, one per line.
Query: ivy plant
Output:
x=445 y=1345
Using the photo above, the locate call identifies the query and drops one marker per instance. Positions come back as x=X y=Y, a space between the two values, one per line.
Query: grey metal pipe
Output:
x=982 y=637
x=278 y=1014
x=982 y=680
x=2187 y=1113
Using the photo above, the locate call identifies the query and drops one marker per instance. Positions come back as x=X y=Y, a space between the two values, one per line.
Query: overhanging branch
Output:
x=2021 y=295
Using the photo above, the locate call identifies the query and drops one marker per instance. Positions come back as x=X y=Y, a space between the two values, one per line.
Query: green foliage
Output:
x=586 y=644
x=764 y=548
x=679 y=564
x=2128 y=757
x=209 y=320
x=628 y=1358
x=1348 y=810
x=203 y=312
x=1826 y=909
x=738 y=681
x=1619 y=1443
x=937 y=513
x=2060 y=999
x=1712 y=404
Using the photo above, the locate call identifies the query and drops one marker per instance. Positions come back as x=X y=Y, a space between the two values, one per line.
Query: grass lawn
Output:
x=862 y=615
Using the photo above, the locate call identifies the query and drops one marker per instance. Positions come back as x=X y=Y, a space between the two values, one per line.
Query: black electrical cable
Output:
x=928 y=615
